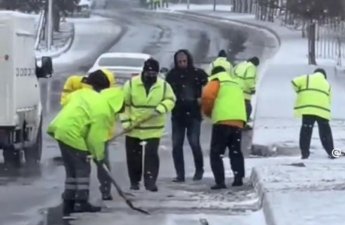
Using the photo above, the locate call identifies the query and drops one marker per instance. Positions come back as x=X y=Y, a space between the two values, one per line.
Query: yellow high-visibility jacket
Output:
x=84 y=122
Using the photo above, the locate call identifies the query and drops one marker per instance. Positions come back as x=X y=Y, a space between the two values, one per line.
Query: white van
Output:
x=21 y=108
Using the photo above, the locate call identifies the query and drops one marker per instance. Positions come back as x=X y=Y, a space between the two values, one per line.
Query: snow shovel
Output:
x=132 y=127
x=121 y=193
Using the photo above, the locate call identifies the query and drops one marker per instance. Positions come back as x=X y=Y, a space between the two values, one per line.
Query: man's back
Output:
x=73 y=121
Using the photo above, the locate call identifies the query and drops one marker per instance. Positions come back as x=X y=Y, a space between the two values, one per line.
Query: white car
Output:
x=84 y=8
x=123 y=64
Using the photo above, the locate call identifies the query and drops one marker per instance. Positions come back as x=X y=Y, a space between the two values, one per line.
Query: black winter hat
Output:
x=217 y=69
x=320 y=70
x=255 y=60
x=151 y=65
x=98 y=80
x=222 y=53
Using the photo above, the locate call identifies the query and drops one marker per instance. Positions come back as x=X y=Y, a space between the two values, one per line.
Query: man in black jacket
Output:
x=186 y=82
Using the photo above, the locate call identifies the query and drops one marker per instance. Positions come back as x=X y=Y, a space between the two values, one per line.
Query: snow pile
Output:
x=302 y=192
x=312 y=175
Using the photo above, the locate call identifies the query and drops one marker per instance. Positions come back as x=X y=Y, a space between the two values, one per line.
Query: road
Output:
x=26 y=191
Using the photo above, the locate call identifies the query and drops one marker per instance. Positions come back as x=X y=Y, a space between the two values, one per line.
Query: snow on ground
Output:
x=294 y=191
x=101 y=28
x=302 y=193
x=120 y=218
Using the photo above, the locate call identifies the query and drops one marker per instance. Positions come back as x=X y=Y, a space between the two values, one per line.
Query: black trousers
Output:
x=248 y=108
x=78 y=169
x=224 y=136
x=103 y=178
x=325 y=134
x=179 y=129
x=134 y=153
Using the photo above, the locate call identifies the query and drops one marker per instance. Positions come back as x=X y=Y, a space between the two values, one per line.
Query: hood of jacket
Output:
x=189 y=58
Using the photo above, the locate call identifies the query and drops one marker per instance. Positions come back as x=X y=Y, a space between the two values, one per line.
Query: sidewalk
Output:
x=292 y=192
x=62 y=41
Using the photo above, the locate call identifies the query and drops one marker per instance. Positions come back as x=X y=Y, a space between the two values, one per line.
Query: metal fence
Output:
x=330 y=40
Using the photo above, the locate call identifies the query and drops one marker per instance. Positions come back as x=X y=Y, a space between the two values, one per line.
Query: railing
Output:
x=330 y=41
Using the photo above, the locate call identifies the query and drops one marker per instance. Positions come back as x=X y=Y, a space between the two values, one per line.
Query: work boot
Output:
x=237 y=182
x=152 y=188
x=107 y=197
x=85 y=206
x=67 y=208
x=198 y=175
x=178 y=180
x=305 y=155
x=218 y=187
x=134 y=187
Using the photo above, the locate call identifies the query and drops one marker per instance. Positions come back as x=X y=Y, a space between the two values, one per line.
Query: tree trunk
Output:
x=245 y=6
x=234 y=8
x=311 y=41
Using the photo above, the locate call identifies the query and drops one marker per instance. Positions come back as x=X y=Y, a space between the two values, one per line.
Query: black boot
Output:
x=198 y=175
x=152 y=188
x=67 y=208
x=237 y=181
x=85 y=206
x=107 y=197
x=218 y=186
x=135 y=186
x=178 y=179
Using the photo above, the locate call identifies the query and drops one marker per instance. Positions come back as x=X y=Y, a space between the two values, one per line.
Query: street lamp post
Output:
x=50 y=24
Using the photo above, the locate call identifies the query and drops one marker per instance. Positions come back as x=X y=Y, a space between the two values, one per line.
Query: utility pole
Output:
x=50 y=24
x=188 y=3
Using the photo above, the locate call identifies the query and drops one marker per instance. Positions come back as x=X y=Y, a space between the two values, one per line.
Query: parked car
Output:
x=123 y=64
x=84 y=8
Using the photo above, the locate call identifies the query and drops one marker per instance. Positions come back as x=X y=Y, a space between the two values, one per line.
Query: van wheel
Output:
x=33 y=154
x=13 y=157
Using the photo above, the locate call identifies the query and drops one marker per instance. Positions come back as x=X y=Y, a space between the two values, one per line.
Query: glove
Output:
x=125 y=126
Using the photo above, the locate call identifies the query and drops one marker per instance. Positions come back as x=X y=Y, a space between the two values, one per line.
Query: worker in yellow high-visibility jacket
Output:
x=81 y=128
x=75 y=83
x=313 y=104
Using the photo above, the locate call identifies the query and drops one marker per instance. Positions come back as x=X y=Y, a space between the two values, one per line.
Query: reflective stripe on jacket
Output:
x=140 y=105
x=313 y=96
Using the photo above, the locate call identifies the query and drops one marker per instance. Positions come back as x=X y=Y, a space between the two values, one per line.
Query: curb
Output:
x=265 y=201
x=66 y=47
x=68 y=44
